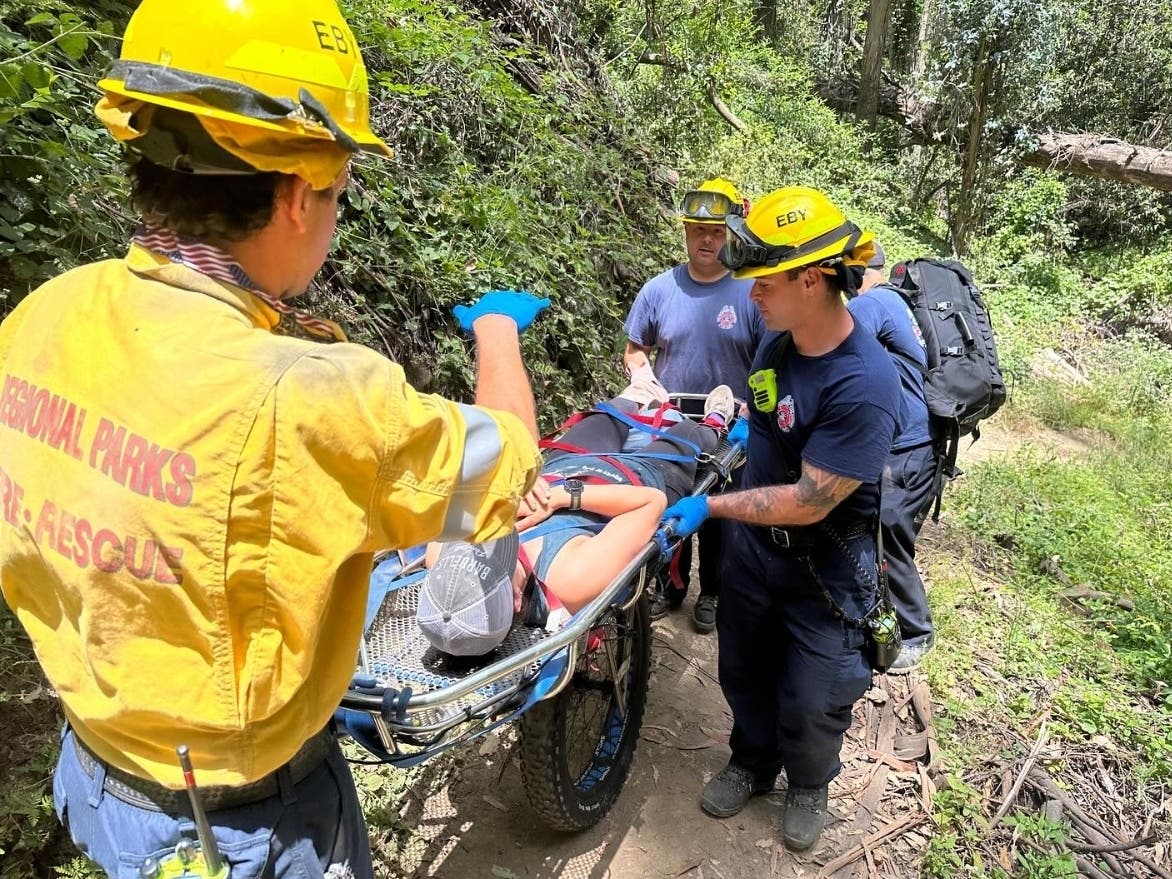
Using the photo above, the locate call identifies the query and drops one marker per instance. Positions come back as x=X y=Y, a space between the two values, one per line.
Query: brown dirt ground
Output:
x=479 y=823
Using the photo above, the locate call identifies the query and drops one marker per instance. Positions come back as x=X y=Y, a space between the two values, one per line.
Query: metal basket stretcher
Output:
x=408 y=702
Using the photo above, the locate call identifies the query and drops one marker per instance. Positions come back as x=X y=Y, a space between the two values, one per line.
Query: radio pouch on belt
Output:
x=883 y=635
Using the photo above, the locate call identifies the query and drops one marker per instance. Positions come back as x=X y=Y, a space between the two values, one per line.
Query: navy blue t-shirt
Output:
x=884 y=313
x=837 y=412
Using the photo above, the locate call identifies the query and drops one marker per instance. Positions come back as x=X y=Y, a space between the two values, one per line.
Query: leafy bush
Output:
x=58 y=172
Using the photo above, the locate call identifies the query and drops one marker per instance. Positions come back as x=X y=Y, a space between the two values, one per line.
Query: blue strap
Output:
x=665 y=548
x=635 y=424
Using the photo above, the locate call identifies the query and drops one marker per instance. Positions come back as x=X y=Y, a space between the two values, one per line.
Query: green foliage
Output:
x=489 y=188
x=1129 y=284
x=1107 y=523
x=688 y=56
x=1029 y=216
x=57 y=168
x=28 y=751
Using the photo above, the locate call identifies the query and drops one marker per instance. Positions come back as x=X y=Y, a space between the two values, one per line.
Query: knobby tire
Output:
x=570 y=790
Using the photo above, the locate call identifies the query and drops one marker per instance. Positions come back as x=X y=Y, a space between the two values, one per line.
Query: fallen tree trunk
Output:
x=1087 y=155
x=924 y=119
x=1108 y=158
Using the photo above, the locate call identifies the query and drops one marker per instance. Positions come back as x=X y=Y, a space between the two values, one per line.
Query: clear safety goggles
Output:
x=702 y=204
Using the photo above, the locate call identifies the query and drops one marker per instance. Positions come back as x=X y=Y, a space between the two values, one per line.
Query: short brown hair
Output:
x=206 y=207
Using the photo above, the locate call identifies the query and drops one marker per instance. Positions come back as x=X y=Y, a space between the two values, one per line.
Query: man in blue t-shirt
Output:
x=698 y=322
x=803 y=581
x=910 y=476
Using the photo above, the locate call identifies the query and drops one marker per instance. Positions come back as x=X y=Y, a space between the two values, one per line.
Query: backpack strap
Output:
x=946 y=446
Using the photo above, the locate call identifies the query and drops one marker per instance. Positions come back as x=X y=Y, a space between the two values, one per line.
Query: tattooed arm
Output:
x=807 y=501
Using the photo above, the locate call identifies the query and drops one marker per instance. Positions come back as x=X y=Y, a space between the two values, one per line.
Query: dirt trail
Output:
x=480 y=825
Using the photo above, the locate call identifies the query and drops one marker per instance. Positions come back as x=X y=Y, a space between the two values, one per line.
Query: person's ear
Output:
x=291 y=202
x=811 y=277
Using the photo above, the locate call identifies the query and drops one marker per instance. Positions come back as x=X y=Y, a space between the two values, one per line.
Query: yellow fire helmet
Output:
x=712 y=201
x=791 y=228
x=278 y=84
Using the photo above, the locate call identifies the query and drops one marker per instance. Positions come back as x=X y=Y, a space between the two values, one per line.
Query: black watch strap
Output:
x=574 y=490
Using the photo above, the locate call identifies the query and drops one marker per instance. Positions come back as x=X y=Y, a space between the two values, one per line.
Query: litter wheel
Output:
x=576 y=749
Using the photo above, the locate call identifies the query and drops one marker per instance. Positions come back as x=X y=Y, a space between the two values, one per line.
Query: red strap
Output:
x=551 y=600
x=628 y=474
x=673 y=569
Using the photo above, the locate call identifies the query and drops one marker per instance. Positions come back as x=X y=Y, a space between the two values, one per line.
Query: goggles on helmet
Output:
x=704 y=204
x=744 y=249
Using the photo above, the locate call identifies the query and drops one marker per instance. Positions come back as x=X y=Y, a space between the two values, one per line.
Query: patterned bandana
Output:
x=215 y=263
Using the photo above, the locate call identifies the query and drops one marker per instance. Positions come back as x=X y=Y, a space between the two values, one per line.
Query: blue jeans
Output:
x=310 y=830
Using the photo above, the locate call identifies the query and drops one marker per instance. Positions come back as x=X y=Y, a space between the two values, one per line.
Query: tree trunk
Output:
x=1087 y=155
x=903 y=31
x=1107 y=158
x=765 y=17
x=836 y=31
x=967 y=199
x=873 y=46
x=918 y=53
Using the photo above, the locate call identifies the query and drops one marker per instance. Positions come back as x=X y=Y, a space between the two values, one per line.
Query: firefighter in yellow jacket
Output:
x=190 y=494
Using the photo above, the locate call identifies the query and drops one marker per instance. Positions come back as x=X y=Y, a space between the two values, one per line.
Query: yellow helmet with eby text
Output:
x=794 y=227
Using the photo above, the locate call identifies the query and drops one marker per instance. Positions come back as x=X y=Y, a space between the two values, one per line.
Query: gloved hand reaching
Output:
x=686 y=515
x=738 y=434
x=520 y=305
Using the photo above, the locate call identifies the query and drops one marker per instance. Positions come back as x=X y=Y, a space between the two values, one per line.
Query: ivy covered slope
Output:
x=510 y=170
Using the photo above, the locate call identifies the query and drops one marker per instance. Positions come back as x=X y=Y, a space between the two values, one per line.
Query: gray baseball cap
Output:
x=879 y=259
x=466 y=601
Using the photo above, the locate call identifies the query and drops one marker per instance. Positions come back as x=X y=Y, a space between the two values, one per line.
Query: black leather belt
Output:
x=804 y=536
x=788 y=538
x=152 y=795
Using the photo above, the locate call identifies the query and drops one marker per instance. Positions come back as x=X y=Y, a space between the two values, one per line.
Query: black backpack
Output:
x=963 y=383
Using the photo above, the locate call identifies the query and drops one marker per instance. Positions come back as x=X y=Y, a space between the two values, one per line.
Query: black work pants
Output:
x=909 y=480
x=790 y=669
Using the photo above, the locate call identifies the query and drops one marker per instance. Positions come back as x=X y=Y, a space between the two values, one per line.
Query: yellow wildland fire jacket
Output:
x=189 y=505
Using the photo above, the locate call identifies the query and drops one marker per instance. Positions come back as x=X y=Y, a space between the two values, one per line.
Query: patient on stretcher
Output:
x=593 y=510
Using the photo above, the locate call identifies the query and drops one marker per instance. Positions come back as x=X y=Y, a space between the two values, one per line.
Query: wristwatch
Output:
x=574 y=488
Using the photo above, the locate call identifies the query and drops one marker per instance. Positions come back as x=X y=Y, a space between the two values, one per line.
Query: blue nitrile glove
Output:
x=521 y=306
x=686 y=515
x=739 y=433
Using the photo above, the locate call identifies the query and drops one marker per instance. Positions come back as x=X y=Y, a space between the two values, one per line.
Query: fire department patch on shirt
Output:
x=727 y=319
x=785 y=413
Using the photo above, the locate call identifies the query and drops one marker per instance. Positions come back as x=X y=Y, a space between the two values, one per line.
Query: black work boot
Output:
x=662 y=600
x=727 y=793
x=704 y=614
x=805 y=816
